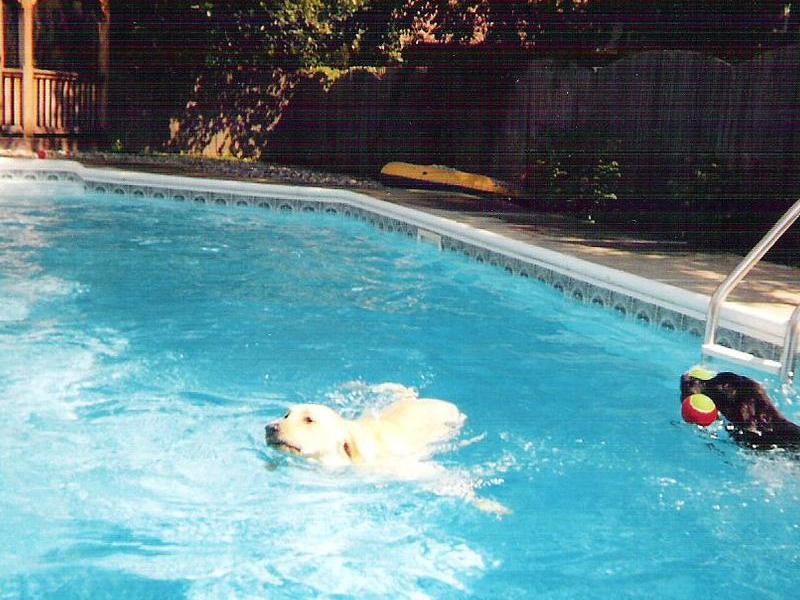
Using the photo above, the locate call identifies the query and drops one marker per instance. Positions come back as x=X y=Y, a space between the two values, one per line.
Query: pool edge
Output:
x=633 y=296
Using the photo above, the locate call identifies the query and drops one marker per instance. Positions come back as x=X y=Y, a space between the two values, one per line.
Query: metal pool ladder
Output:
x=783 y=368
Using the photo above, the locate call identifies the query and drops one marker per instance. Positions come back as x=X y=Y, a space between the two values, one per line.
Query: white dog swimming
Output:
x=406 y=431
x=395 y=441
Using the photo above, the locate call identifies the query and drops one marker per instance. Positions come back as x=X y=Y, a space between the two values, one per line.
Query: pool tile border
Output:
x=627 y=303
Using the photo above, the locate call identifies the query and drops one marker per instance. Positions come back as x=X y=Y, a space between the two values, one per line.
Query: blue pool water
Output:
x=144 y=345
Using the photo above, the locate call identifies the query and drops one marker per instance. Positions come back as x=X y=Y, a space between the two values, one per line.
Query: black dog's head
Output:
x=736 y=396
x=753 y=417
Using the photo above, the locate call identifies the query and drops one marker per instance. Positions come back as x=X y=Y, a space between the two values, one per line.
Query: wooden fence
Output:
x=666 y=104
x=661 y=106
x=414 y=114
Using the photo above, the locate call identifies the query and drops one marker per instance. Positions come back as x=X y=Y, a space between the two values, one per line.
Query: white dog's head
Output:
x=313 y=431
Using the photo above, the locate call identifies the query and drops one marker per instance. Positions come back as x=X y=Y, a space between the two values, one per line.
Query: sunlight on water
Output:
x=143 y=347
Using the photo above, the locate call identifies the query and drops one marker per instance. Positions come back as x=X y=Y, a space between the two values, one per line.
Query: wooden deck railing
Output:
x=12 y=101
x=66 y=103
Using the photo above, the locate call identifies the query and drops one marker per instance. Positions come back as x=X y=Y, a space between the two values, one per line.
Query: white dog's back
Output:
x=424 y=419
x=408 y=428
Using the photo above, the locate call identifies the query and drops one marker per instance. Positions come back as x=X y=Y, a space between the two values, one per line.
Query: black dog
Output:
x=753 y=419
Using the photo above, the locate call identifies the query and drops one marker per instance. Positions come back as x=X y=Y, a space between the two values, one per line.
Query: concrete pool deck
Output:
x=770 y=291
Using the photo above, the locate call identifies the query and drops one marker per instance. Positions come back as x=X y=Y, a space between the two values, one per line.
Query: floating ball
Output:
x=701 y=373
x=699 y=409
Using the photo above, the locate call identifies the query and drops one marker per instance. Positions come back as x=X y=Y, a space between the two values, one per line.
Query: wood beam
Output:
x=29 y=108
x=104 y=62
x=2 y=62
x=2 y=36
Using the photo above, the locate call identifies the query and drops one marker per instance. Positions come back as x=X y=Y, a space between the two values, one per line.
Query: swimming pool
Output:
x=144 y=345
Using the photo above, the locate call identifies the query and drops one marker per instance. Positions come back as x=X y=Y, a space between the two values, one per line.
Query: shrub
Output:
x=578 y=173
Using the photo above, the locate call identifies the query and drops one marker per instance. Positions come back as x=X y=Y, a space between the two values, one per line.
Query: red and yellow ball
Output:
x=699 y=409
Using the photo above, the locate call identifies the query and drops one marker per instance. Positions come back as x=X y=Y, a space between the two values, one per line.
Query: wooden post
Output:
x=104 y=63
x=2 y=35
x=2 y=63
x=29 y=108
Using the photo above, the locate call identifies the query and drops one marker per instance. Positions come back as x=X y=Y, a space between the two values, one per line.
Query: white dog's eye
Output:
x=308 y=420
x=286 y=416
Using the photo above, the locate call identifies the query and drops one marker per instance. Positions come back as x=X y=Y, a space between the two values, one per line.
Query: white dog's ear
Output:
x=351 y=449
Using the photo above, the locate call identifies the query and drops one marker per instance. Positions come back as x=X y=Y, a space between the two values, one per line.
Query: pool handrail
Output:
x=790 y=343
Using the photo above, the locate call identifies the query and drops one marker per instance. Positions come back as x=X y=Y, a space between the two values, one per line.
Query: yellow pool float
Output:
x=440 y=175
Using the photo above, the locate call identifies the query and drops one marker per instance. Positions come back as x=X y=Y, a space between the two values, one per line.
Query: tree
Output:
x=285 y=34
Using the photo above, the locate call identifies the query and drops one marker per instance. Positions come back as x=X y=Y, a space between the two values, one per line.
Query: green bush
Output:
x=581 y=174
